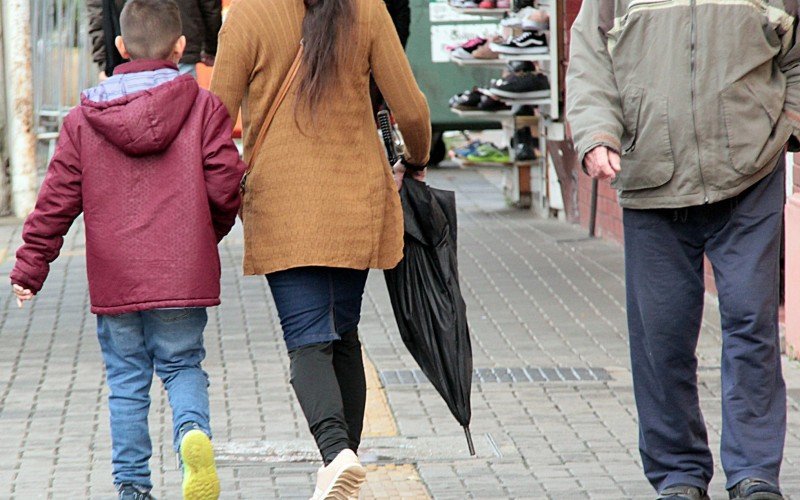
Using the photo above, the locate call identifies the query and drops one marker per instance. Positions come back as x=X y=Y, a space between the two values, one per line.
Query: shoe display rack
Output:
x=529 y=183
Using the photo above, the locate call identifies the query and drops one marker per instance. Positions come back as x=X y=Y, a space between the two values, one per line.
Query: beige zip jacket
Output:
x=698 y=96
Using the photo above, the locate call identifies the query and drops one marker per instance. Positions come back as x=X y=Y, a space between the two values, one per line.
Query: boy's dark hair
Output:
x=150 y=28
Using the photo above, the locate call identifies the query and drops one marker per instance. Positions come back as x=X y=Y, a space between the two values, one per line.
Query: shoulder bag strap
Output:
x=287 y=82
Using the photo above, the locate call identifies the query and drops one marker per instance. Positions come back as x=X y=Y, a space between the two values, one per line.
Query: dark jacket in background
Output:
x=400 y=11
x=201 y=20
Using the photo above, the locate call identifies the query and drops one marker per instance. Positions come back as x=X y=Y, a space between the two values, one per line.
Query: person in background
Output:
x=321 y=206
x=690 y=120
x=201 y=21
x=148 y=159
x=400 y=12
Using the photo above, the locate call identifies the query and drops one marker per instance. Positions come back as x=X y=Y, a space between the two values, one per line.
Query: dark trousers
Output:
x=664 y=252
x=330 y=385
x=320 y=309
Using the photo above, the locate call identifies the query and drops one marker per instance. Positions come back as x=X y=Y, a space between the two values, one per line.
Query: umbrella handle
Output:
x=469 y=441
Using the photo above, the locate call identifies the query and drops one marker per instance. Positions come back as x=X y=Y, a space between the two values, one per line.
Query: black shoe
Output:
x=683 y=492
x=526 y=86
x=525 y=110
x=491 y=104
x=131 y=492
x=525 y=146
x=521 y=4
x=468 y=101
x=521 y=67
x=755 y=489
x=530 y=42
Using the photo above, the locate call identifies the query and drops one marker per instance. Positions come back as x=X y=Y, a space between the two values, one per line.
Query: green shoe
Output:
x=200 y=481
x=489 y=153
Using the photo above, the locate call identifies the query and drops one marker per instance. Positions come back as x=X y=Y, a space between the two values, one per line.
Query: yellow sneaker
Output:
x=200 y=481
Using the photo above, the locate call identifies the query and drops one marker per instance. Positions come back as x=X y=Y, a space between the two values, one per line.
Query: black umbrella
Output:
x=426 y=297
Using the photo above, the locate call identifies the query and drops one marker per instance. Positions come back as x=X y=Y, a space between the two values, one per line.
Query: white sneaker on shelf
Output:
x=341 y=479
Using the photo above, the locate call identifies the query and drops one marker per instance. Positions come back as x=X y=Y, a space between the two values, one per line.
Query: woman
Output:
x=321 y=206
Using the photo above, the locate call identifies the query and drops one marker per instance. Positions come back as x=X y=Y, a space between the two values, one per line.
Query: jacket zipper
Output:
x=694 y=93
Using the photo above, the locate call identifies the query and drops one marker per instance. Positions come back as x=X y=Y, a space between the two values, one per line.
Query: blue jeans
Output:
x=317 y=304
x=133 y=345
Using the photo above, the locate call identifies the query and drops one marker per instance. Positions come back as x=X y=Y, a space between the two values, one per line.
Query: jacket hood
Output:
x=145 y=122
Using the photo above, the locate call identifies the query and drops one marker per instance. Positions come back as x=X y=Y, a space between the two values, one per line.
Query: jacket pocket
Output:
x=647 y=159
x=749 y=121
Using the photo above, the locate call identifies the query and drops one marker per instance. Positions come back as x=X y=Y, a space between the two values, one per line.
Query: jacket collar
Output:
x=144 y=65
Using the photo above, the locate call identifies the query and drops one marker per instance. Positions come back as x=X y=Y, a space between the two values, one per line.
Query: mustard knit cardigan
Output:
x=320 y=193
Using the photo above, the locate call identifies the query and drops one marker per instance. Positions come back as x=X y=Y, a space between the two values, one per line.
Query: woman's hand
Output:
x=400 y=172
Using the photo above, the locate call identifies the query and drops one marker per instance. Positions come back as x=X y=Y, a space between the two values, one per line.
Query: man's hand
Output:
x=23 y=295
x=602 y=163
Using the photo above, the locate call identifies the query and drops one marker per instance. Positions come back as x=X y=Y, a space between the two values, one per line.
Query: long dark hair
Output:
x=325 y=35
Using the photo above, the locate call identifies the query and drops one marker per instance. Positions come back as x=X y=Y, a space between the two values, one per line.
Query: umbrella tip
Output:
x=470 y=444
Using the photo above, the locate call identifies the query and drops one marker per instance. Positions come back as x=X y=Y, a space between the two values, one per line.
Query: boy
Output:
x=147 y=157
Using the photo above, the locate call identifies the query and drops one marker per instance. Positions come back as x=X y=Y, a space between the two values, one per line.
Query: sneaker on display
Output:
x=468 y=101
x=488 y=4
x=492 y=104
x=521 y=4
x=467 y=149
x=535 y=20
x=466 y=49
x=529 y=42
x=503 y=4
x=489 y=153
x=521 y=67
x=484 y=52
x=522 y=86
x=526 y=145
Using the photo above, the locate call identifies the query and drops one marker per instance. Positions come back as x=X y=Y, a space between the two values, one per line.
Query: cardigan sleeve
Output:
x=394 y=77
x=234 y=62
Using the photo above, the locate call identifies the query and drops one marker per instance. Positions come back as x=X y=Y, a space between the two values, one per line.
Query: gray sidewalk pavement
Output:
x=553 y=412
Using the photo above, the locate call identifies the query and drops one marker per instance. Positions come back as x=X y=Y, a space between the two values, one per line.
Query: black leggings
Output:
x=331 y=387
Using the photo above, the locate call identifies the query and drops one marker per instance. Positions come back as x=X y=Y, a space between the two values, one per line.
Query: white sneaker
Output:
x=341 y=479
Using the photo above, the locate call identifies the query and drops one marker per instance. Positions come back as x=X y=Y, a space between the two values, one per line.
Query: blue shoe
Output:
x=468 y=149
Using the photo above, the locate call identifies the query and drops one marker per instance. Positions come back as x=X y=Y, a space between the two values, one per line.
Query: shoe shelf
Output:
x=471 y=164
x=507 y=58
x=500 y=116
x=545 y=101
x=477 y=11
x=528 y=182
x=496 y=63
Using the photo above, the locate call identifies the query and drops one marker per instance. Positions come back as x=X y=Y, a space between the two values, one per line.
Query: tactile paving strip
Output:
x=505 y=375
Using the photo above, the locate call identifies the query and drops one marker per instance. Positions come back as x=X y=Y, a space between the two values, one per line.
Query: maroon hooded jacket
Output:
x=156 y=176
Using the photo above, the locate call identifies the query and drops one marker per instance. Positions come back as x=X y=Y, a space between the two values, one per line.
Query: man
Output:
x=201 y=21
x=686 y=106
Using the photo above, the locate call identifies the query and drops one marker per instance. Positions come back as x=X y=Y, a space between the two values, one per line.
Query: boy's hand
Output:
x=23 y=295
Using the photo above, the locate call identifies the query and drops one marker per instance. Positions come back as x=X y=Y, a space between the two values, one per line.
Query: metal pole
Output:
x=19 y=100
x=593 y=213
x=4 y=194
